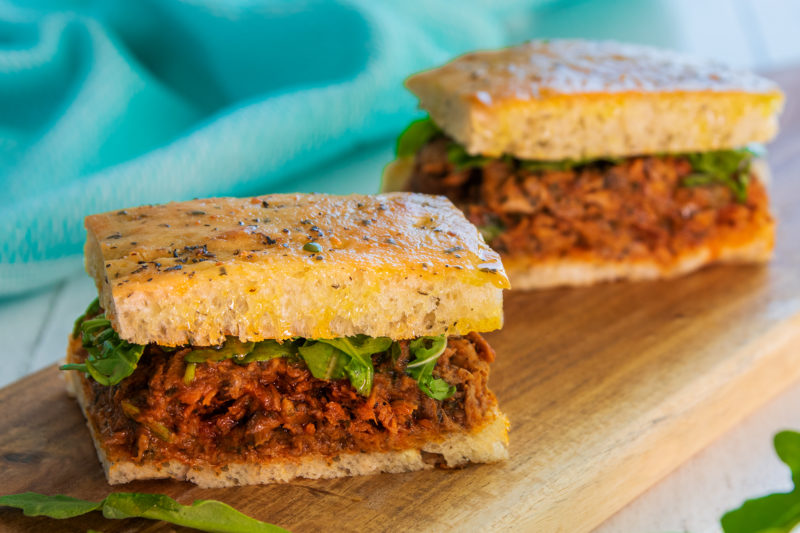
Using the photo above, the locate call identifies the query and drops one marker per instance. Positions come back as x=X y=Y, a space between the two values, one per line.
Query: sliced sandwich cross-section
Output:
x=587 y=161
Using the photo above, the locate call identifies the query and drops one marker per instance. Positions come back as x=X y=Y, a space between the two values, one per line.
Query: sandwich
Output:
x=245 y=341
x=588 y=161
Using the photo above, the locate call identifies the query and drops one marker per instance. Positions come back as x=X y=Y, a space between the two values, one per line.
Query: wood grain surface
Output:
x=608 y=389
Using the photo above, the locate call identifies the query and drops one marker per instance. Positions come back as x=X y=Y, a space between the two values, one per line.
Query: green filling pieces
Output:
x=720 y=167
x=112 y=359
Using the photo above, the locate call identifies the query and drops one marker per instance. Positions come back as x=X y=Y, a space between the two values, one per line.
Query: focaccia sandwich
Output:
x=240 y=341
x=586 y=161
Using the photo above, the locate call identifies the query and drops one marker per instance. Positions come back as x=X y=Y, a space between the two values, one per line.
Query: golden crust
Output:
x=576 y=99
x=201 y=270
x=536 y=70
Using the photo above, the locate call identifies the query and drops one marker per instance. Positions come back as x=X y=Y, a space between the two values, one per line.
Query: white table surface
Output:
x=739 y=465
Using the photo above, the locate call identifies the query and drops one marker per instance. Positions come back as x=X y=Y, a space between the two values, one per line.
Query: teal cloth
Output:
x=109 y=104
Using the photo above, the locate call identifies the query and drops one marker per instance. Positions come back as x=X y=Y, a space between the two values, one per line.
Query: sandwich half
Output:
x=243 y=341
x=588 y=161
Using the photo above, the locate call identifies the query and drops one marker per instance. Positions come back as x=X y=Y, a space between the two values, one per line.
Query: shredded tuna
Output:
x=277 y=408
x=635 y=208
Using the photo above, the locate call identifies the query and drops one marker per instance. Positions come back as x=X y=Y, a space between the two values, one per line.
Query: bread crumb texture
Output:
x=400 y=265
x=576 y=99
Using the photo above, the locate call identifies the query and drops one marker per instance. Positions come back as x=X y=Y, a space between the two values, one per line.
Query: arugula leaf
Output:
x=415 y=136
x=231 y=348
x=775 y=513
x=360 y=349
x=787 y=446
x=110 y=359
x=93 y=309
x=269 y=349
x=58 y=506
x=205 y=515
x=323 y=360
x=727 y=167
x=421 y=368
x=491 y=230
x=345 y=356
x=461 y=159
x=241 y=352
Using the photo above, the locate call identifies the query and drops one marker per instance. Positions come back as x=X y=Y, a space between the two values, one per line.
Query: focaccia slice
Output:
x=574 y=99
x=281 y=266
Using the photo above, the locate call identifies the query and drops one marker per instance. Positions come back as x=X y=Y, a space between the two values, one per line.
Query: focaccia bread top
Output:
x=524 y=100
x=282 y=266
x=538 y=69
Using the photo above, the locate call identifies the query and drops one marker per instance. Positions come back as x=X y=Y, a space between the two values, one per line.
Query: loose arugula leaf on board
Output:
x=204 y=515
x=426 y=351
x=415 y=136
x=774 y=513
x=787 y=446
x=58 y=506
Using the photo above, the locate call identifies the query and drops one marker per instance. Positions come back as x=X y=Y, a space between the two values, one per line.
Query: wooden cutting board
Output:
x=608 y=389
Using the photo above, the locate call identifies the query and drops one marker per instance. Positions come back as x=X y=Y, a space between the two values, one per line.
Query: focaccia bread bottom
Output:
x=528 y=274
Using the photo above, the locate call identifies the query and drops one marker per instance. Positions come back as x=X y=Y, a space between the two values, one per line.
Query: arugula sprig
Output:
x=726 y=167
x=110 y=358
x=775 y=513
x=204 y=515
x=426 y=351
x=92 y=310
x=415 y=136
x=345 y=356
